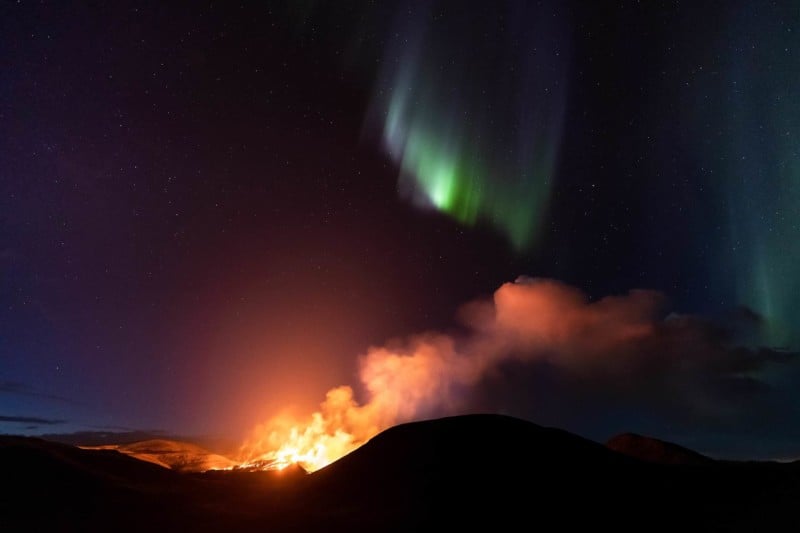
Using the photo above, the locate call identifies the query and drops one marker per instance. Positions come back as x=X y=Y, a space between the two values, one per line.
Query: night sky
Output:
x=208 y=213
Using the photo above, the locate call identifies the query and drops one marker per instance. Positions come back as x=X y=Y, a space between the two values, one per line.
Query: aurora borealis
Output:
x=210 y=215
x=444 y=115
x=761 y=187
x=450 y=123
x=730 y=155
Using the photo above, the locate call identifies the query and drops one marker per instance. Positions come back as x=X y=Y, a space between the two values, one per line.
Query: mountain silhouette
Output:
x=469 y=472
x=655 y=450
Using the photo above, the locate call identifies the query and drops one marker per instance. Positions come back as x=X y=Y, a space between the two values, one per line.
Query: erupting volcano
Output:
x=530 y=320
x=608 y=347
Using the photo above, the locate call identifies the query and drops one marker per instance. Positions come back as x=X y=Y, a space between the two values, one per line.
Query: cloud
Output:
x=22 y=389
x=99 y=438
x=542 y=350
x=30 y=420
x=623 y=363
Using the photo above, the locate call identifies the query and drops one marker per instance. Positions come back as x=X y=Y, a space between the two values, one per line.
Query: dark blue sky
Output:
x=199 y=213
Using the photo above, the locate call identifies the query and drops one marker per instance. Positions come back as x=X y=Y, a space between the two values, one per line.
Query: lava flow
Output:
x=313 y=443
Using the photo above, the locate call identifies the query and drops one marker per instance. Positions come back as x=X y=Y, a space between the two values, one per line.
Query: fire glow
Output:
x=403 y=381
x=313 y=443
x=400 y=383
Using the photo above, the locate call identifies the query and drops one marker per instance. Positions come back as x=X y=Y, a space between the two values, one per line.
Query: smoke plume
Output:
x=622 y=354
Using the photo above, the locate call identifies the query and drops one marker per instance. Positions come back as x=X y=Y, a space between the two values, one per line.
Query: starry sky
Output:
x=208 y=213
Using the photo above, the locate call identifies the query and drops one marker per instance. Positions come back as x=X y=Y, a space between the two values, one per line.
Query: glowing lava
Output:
x=306 y=445
x=312 y=443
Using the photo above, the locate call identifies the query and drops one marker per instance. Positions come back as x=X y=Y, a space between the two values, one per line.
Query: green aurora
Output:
x=444 y=128
x=760 y=183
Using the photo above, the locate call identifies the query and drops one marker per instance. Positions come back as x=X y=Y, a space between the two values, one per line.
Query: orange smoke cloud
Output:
x=536 y=317
x=528 y=319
